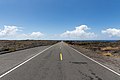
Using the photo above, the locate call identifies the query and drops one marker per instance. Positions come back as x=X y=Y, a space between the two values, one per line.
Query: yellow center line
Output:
x=61 y=56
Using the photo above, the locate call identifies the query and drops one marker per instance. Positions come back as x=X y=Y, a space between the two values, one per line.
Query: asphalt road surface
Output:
x=59 y=62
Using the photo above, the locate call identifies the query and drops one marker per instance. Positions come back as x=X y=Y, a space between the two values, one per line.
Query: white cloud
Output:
x=12 y=32
x=112 y=32
x=36 y=34
x=33 y=35
x=8 y=31
x=79 y=32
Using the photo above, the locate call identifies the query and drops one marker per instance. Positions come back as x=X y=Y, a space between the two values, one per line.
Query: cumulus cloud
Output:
x=79 y=32
x=8 y=31
x=33 y=35
x=13 y=32
x=112 y=32
x=36 y=34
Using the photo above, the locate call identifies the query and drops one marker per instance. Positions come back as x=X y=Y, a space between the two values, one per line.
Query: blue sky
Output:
x=58 y=19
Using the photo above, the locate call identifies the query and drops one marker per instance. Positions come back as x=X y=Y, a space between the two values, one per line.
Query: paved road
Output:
x=50 y=65
x=9 y=60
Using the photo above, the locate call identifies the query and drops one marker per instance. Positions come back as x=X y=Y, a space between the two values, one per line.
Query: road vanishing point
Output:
x=56 y=62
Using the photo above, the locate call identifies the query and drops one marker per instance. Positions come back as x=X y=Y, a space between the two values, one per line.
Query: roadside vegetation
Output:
x=15 y=45
x=104 y=48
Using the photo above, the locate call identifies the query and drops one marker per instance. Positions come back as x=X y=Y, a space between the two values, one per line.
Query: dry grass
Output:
x=14 y=45
x=104 y=48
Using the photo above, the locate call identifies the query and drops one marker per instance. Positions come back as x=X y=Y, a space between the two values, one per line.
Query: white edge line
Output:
x=96 y=62
x=25 y=62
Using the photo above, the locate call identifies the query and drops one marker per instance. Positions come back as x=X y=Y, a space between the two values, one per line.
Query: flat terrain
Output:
x=7 y=46
x=105 y=48
x=49 y=65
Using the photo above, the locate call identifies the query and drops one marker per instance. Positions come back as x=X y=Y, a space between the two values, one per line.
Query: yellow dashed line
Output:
x=61 y=56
